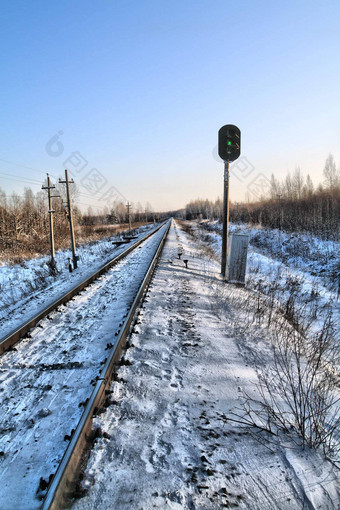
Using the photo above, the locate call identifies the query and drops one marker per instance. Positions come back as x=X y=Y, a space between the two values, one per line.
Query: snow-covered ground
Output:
x=301 y=251
x=167 y=442
x=26 y=288
x=282 y=265
x=46 y=378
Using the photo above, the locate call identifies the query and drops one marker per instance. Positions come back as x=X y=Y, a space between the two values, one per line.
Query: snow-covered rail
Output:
x=63 y=484
x=14 y=336
x=53 y=382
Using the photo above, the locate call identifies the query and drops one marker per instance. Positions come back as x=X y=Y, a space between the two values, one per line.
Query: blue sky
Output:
x=139 y=89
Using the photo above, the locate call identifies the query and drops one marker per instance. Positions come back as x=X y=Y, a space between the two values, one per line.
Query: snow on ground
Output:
x=168 y=443
x=25 y=288
x=46 y=378
x=271 y=262
x=299 y=250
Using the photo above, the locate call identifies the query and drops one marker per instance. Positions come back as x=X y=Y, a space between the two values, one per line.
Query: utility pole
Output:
x=70 y=218
x=50 y=215
x=225 y=227
x=128 y=206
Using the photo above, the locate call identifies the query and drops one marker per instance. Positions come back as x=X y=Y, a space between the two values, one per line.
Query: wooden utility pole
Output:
x=128 y=206
x=50 y=214
x=70 y=217
x=225 y=219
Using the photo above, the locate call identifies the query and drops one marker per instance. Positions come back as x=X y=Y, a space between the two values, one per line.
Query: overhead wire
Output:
x=31 y=183
x=35 y=182
x=17 y=178
x=30 y=168
x=25 y=166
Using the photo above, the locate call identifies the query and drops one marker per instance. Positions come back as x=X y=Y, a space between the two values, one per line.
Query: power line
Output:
x=25 y=166
x=31 y=168
x=33 y=182
x=77 y=203
x=24 y=196
x=19 y=178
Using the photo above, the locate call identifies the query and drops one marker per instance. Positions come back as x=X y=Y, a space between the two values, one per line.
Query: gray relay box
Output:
x=237 y=258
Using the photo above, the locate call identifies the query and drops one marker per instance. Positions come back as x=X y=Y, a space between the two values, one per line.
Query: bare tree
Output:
x=331 y=174
x=309 y=186
x=275 y=188
x=296 y=395
x=297 y=183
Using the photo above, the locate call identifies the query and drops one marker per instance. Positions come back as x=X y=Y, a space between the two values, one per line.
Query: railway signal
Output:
x=229 y=149
x=229 y=142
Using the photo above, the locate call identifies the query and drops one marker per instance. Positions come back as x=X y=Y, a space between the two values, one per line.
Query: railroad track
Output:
x=51 y=382
x=19 y=332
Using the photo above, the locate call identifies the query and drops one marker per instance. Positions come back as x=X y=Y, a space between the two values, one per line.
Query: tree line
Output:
x=24 y=224
x=118 y=214
x=293 y=204
x=24 y=221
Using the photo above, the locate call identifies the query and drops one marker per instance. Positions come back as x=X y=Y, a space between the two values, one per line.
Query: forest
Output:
x=293 y=205
x=24 y=222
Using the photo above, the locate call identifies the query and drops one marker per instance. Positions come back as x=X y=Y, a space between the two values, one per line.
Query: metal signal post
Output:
x=225 y=227
x=229 y=148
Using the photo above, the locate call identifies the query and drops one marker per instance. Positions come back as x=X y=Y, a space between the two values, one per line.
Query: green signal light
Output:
x=228 y=143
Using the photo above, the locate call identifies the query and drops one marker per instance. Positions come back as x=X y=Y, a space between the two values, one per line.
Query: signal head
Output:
x=229 y=142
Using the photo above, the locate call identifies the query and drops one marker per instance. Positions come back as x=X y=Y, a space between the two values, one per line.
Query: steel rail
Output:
x=19 y=332
x=62 y=487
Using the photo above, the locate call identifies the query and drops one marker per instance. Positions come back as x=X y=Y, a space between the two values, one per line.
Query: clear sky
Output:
x=138 y=91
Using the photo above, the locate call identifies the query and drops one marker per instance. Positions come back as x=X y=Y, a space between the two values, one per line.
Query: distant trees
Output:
x=331 y=174
x=204 y=209
x=24 y=221
x=117 y=213
x=293 y=187
x=24 y=227
x=293 y=204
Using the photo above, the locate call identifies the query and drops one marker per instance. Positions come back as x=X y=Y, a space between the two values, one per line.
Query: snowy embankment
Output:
x=167 y=442
x=293 y=270
x=305 y=252
x=27 y=287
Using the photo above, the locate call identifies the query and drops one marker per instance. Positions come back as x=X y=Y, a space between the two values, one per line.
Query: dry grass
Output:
x=24 y=248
